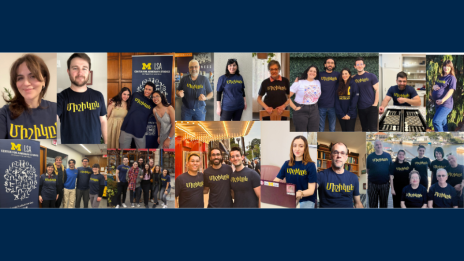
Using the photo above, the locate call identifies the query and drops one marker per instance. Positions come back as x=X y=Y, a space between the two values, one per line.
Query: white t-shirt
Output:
x=306 y=92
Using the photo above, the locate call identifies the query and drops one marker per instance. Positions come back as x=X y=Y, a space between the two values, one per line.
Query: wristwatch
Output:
x=170 y=138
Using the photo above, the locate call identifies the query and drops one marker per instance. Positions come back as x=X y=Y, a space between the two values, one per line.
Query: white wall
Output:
x=244 y=61
x=66 y=149
x=7 y=59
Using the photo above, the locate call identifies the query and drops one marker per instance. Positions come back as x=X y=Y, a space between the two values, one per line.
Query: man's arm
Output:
x=205 y=190
x=103 y=122
x=232 y=193
x=357 y=202
x=209 y=95
x=414 y=101
x=384 y=104
x=376 y=88
x=258 y=194
x=176 y=203
x=117 y=175
x=430 y=204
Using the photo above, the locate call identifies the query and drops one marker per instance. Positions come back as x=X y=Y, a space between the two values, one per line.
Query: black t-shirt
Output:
x=95 y=182
x=455 y=175
x=80 y=114
x=443 y=197
x=83 y=177
x=243 y=184
x=421 y=165
x=189 y=189
x=435 y=165
x=275 y=92
x=414 y=198
x=38 y=123
x=48 y=186
x=400 y=172
x=218 y=181
x=136 y=120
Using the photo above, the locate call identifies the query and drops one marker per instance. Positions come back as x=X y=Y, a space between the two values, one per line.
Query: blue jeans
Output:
x=440 y=119
x=307 y=204
x=332 y=118
x=193 y=114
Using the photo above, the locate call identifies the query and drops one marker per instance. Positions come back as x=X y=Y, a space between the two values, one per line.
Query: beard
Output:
x=402 y=87
x=218 y=162
x=74 y=82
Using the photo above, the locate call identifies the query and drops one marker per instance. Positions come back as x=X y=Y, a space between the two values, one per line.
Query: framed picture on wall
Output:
x=90 y=81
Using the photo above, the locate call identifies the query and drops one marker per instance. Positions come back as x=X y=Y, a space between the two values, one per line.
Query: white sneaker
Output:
x=165 y=206
x=117 y=206
x=132 y=205
x=151 y=200
x=124 y=205
x=138 y=205
x=162 y=204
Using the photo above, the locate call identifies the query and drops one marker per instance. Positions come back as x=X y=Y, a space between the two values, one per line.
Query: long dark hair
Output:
x=164 y=101
x=118 y=98
x=447 y=63
x=304 y=76
x=232 y=61
x=167 y=174
x=145 y=171
x=397 y=160
x=342 y=86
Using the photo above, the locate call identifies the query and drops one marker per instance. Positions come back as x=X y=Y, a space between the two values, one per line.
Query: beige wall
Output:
x=7 y=59
x=66 y=149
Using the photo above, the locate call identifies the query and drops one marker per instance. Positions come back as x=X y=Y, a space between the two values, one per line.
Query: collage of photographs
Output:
x=231 y=130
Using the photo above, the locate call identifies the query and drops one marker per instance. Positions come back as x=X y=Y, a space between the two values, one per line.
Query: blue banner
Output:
x=20 y=173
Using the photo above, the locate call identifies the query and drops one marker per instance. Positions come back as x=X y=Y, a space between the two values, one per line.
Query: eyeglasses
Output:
x=341 y=153
x=359 y=64
x=441 y=176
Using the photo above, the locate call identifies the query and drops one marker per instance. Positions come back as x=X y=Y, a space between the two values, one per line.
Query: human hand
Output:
x=297 y=108
x=401 y=100
x=158 y=139
x=40 y=199
x=381 y=109
x=99 y=199
x=57 y=196
x=202 y=97
x=244 y=108
x=281 y=109
x=393 y=192
x=165 y=192
x=346 y=117
x=218 y=111
x=296 y=79
x=436 y=88
x=269 y=110
x=439 y=102
x=181 y=93
x=166 y=143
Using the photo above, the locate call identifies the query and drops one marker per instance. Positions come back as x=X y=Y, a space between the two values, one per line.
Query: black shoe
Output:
x=154 y=206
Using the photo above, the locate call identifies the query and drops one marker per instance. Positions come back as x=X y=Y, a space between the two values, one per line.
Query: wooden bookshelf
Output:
x=324 y=161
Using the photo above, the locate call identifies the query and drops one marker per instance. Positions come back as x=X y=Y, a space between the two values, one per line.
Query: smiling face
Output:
x=216 y=157
x=359 y=65
x=236 y=158
x=50 y=169
x=339 y=155
x=274 y=70
x=135 y=165
x=72 y=164
x=95 y=170
x=312 y=73
x=414 y=179
x=165 y=172
x=194 y=68
x=232 y=68
x=378 y=146
x=442 y=176
x=78 y=72
x=28 y=85
x=401 y=156
x=125 y=161
x=329 y=65
x=438 y=155
x=58 y=162
x=156 y=98
x=147 y=91
x=402 y=82
x=85 y=163
x=125 y=95
x=447 y=69
x=345 y=75
x=452 y=161
x=421 y=152
x=194 y=163
x=298 y=148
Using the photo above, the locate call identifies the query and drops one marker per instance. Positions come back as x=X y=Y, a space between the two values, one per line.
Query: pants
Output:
x=307 y=204
x=398 y=191
x=369 y=118
x=93 y=200
x=82 y=194
x=69 y=198
x=125 y=140
x=146 y=191
x=424 y=181
x=378 y=192
x=163 y=195
x=231 y=115
x=137 y=193
x=60 y=198
x=154 y=192
x=347 y=125
x=330 y=112
x=440 y=119
x=197 y=114
x=122 y=189
x=48 y=203
x=307 y=118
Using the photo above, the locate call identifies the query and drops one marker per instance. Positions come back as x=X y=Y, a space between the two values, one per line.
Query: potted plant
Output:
x=111 y=190
x=264 y=56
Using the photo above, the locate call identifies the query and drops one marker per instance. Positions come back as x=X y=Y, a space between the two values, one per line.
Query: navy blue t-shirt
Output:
x=83 y=177
x=394 y=92
x=329 y=86
x=455 y=175
x=347 y=104
x=38 y=123
x=443 y=197
x=232 y=89
x=193 y=89
x=366 y=84
x=421 y=165
x=95 y=181
x=80 y=114
x=49 y=186
x=400 y=172
x=445 y=83
x=123 y=172
x=378 y=168
x=300 y=175
x=414 y=198
x=337 y=190
x=136 y=119
x=164 y=181
x=436 y=165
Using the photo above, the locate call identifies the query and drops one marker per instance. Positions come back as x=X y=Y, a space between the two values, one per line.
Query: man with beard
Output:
x=61 y=177
x=82 y=183
x=217 y=181
x=189 y=185
x=326 y=103
x=378 y=175
x=81 y=110
x=244 y=183
x=194 y=91
x=402 y=94
x=368 y=85
x=338 y=187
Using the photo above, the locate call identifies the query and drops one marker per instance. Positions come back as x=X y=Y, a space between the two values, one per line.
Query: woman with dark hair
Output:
x=134 y=183
x=48 y=187
x=301 y=171
x=346 y=101
x=165 y=187
x=156 y=171
x=414 y=195
x=439 y=163
x=165 y=122
x=96 y=186
x=145 y=183
x=231 y=90
x=307 y=91
x=27 y=115
x=117 y=111
x=442 y=96
x=399 y=177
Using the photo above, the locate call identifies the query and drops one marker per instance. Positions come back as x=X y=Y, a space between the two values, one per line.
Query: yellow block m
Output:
x=146 y=66
x=15 y=147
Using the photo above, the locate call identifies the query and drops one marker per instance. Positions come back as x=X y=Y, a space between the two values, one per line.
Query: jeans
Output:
x=163 y=195
x=330 y=112
x=306 y=118
x=440 y=119
x=197 y=114
x=154 y=192
x=369 y=118
x=93 y=200
x=307 y=204
x=231 y=115
x=137 y=192
x=122 y=189
x=82 y=194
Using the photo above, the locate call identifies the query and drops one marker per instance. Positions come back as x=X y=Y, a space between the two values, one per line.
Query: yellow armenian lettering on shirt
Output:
x=402 y=168
x=86 y=172
x=339 y=188
x=343 y=98
x=234 y=81
x=163 y=179
x=454 y=175
x=47 y=179
x=438 y=167
x=20 y=132
x=239 y=179
x=83 y=106
x=361 y=80
x=421 y=163
x=94 y=179
x=442 y=195
x=194 y=86
x=413 y=195
x=194 y=184
x=219 y=177
x=137 y=100
x=276 y=88
x=441 y=81
x=380 y=160
x=297 y=172
x=328 y=79
x=401 y=95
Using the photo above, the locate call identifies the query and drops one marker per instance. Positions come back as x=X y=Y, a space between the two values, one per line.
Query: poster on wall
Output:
x=20 y=173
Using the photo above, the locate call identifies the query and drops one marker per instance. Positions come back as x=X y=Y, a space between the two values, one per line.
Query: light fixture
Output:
x=85 y=148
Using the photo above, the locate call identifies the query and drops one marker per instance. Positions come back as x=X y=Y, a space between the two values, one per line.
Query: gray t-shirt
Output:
x=193 y=89
x=218 y=181
x=243 y=183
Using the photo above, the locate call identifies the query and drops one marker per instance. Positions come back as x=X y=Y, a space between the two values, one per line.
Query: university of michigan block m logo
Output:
x=15 y=147
x=146 y=66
